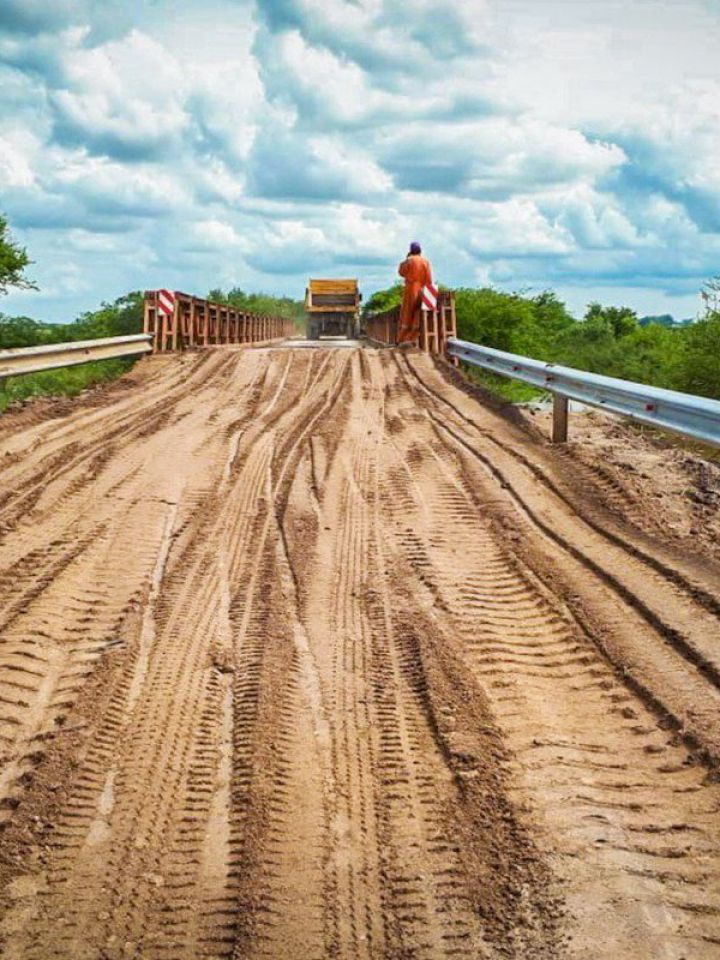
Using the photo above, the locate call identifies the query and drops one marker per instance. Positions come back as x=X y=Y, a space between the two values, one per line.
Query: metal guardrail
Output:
x=52 y=356
x=683 y=413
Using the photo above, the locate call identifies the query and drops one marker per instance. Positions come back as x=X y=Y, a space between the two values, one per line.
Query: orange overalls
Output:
x=417 y=273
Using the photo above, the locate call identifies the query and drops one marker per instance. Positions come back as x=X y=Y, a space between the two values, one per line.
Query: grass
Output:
x=514 y=391
x=66 y=382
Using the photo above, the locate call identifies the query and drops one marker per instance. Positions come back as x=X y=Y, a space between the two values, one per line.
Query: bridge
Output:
x=322 y=653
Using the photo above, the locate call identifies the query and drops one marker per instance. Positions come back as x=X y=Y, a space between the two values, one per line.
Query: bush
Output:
x=700 y=362
x=608 y=340
x=67 y=382
x=118 y=319
x=261 y=303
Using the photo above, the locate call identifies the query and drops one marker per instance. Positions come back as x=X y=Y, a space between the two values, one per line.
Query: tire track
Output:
x=290 y=668
x=625 y=813
x=660 y=608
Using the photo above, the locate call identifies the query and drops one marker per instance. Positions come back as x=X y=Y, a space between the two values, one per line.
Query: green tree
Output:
x=620 y=321
x=701 y=359
x=260 y=303
x=13 y=262
x=120 y=318
x=710 y=294
x=383 y=300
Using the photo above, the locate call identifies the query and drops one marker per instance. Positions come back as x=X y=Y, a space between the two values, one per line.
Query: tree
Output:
x=711 y=295
x=620 y=321
x=121 y=318
x=13 y=261
x=383 y=300
x=701 y=359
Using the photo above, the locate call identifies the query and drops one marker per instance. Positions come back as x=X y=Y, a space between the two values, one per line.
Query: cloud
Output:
x=389 y=37
x=495 y=157
x=517 y=229
x=123 y=98
x=674 y=152
x=16 y=168
x=39 y=16
x=286 y=165
x=213 y=235
x=256 y=142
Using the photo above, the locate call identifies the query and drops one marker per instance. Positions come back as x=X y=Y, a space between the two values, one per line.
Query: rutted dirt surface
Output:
x=665 y=486
x=309 y=654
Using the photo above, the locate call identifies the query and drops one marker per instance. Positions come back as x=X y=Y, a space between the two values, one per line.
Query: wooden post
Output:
x=560 y=418
x=150 y=318
x=164 y=332
x=433 y=332
x=193 y=322
x=175 y=320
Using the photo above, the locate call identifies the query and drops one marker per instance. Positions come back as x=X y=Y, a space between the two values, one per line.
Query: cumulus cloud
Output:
x=390 y=36
x=522 y=145
x=123 y=98
x=286 y=165
x=494 y=157
x=517 y=229
x=39 y=16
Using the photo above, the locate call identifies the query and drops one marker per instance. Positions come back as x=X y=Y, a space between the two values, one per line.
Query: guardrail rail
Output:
x=683 y=413
x=52 y=356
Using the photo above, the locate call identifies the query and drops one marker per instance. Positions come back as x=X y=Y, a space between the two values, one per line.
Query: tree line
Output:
x=121 y=317
x=608 y=340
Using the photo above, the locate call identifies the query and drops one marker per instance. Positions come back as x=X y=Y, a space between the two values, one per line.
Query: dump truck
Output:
x=332 y=308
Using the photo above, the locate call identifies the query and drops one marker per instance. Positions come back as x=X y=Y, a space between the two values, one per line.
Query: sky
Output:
x=571 y=145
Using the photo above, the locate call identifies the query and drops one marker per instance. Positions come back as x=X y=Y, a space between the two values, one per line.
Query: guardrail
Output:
x=195 y=322
x=435 y=326
x=52 y=356
x=683 y=413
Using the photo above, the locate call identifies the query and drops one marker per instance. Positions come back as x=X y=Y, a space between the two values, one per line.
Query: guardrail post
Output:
x=560 y=418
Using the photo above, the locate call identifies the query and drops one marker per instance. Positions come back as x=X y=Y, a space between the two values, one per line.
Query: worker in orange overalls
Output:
x=417 y=273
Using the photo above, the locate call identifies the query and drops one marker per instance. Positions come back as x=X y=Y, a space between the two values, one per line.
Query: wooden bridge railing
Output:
x=202 y=323
x=435 y=325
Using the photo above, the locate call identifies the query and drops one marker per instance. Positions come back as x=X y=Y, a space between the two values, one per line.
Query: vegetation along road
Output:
x=312 y=653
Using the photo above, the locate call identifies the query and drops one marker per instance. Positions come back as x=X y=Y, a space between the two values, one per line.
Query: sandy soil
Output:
x=666 y=486
x=311 y=654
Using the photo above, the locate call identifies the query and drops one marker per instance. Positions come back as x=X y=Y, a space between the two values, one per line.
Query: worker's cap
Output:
x=415 y=247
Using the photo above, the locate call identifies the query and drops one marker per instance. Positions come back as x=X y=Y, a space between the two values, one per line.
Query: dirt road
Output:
x=309 y=654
